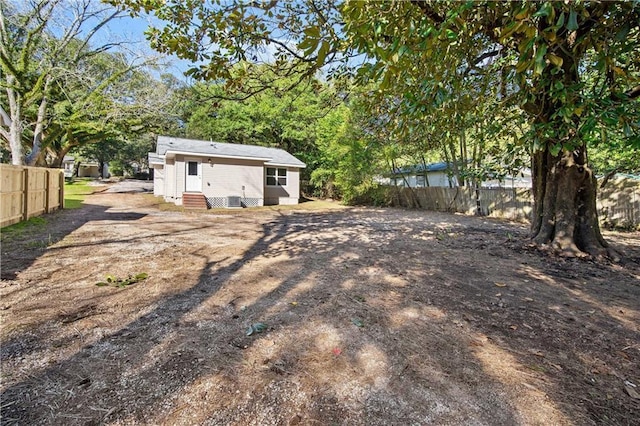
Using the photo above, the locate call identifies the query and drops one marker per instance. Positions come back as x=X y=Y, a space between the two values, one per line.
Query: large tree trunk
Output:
x=38 y=131
x=15 y=123
x=564 y=214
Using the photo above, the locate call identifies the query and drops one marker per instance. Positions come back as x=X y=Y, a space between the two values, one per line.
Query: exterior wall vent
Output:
x=233 y=202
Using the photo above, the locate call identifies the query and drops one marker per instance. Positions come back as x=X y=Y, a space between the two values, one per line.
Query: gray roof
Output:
x=274 y=156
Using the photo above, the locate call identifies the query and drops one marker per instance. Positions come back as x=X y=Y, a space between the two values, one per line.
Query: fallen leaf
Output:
x=632 y=392
x=500 y=285
x=514 y=327
x=357 y=322
x=624 y=355
x=528 y=299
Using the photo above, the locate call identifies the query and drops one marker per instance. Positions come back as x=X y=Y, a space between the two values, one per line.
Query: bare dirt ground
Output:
x=372 y=316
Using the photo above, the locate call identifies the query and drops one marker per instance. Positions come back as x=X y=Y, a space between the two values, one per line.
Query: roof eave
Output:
x=172 y=153
x=299 y=166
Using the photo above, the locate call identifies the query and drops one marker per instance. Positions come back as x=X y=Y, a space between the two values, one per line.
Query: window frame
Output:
x=276 y=175
x=189 y=170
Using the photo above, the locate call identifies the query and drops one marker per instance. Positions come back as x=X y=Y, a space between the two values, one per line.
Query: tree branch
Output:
x=633 y=92
x=428 y=11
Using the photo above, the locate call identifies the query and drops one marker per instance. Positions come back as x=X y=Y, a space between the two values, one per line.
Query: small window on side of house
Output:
x=276 y=177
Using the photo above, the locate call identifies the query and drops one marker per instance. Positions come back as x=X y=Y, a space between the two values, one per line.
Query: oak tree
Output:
x=539 y=52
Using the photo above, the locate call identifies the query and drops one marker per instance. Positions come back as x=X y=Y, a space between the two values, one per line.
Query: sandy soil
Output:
x=371 y=317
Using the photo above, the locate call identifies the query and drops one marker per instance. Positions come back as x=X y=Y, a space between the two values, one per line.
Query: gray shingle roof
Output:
x=269 y=155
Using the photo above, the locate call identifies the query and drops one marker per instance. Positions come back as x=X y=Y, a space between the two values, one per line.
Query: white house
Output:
x=440 y=174
x=419 y=176
x=223 y=174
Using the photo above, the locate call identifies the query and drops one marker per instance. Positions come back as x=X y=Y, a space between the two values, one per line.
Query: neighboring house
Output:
x=420 y=176
x=85 y=169
x=89 y=169
x=68 y=166
x=226 y=175
x=440 y=174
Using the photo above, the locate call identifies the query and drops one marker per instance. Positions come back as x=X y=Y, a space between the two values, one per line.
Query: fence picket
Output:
x=618 y=204
x=26 y=192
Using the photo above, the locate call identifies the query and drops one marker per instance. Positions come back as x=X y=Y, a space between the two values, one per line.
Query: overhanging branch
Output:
x=633 y=92
x=428 y=11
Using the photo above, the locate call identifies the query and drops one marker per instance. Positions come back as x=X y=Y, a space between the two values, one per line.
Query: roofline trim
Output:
x=286 y=165
x=201 y=154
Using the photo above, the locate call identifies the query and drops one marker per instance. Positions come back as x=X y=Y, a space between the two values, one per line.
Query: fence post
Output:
x=25 y=196
x=61 y=190
x=47 y=188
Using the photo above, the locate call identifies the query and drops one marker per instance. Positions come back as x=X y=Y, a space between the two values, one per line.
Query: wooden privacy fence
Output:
x=618 y=203
x=515 y=204
x=26 y=192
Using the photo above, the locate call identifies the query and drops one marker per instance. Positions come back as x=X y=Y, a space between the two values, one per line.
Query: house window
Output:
x=193 y=168
x=420 y=181
x=276 y=177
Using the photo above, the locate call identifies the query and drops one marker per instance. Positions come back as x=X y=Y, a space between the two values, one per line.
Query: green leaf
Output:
x=621 y=35
x=545 y=10
x=572 y=25
x=322 y=53
x=102 y=284
x=555 y=60
x=357 y=322
x=540 y=63
x=555 y=149
x=312 y=32
x=560 y=22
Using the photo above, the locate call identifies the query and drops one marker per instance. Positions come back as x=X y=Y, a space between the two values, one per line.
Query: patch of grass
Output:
x=29 y=232
x=75 y=192
x=20 y=228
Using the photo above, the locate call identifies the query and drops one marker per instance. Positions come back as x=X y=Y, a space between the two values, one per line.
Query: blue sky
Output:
x=132 y=30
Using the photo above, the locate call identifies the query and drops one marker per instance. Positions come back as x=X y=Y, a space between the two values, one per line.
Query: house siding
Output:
x=179 y=171
x=169 y=180
x=433 y=178
x=287 y=194
x=228 y=177
x=158 y=180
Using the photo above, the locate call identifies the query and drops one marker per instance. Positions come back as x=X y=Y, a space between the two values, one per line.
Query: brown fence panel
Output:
x=11 y=194
x=618 y=202
x=29 y=191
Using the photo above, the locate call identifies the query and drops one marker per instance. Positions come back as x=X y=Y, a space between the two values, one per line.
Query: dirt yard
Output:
x=348 y=316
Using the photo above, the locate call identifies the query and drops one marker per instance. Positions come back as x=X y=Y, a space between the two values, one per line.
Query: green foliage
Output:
x=351 y=158
x=284 y=115
x=13 y=231
x=113 y=281
x=67 y=92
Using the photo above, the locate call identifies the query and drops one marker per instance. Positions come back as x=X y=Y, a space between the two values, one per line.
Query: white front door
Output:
x=193 y=176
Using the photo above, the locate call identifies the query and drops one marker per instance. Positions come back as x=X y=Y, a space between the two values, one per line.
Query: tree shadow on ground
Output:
x=21 y=250
x=371 y=318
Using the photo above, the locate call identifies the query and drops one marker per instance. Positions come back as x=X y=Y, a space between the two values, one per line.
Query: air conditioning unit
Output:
x=233 y=202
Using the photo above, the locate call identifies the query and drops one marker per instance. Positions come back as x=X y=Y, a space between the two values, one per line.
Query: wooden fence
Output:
x=26 y=192
x=618 y=203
